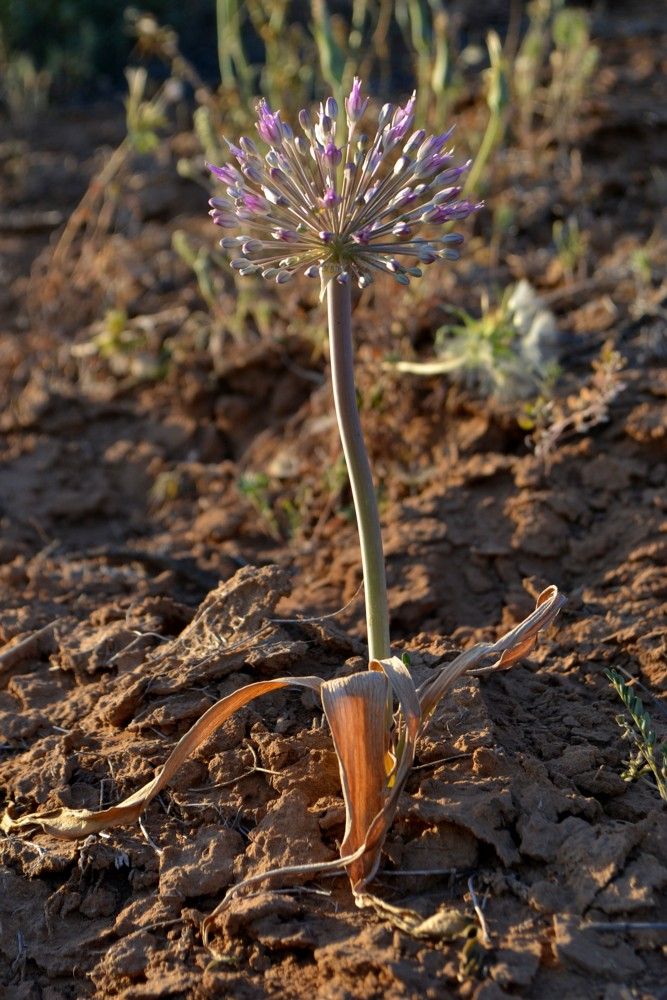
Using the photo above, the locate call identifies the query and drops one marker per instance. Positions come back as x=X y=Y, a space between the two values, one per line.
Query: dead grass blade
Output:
x=75 y=823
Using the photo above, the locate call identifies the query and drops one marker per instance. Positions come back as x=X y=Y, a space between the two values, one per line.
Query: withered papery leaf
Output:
x=355 y=710
x=405 y=738
x=74 y=823
x=517 y=643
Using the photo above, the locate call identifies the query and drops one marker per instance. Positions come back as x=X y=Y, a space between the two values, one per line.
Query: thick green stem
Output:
x=339 y=303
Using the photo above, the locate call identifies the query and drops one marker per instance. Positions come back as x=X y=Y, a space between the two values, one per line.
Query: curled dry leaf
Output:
x=375 y=750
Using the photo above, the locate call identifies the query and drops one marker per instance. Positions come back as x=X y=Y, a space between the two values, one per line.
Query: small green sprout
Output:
x=144 y=117
x=648 y=756
x=255 y=487
x=571 y=245
x=498 y=99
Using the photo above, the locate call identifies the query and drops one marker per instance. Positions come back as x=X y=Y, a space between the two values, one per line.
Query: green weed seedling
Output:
x=648 y=756
x=571 y=246
x=509 y=349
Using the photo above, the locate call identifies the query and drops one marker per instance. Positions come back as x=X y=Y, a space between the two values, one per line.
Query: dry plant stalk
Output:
x=375 y=753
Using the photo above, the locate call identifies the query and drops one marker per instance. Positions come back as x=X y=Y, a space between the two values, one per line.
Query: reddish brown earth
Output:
x=121 y=513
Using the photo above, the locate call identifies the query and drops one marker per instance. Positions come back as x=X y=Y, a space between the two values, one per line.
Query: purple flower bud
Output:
x=305 y=121
x=355 y=105
x=446 y=213
x=402 y=163
x=226 y=173
x=462 y=209
x=330 y=198
x=453 y=239
x=251 y=172
x=332 y=153
x=269 y=125
x=386 y=112
x=325 y=236
x=331 y=108
x=285 y=235
x=362 y=236
x=237 y=152
x=375 y=161
x=254 y=203
x=343 y=278
x=223 y=203
x=404 y=197
x=427 y=254
x=414 y=142
x=252 y=246
x=401 y=122
x=446 y=195
x=452 y=174
x=226 y=220
x=312 y=272
x=248 y=146
x=431 y=164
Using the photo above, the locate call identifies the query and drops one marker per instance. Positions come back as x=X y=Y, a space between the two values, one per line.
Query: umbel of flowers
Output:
x=340 y=206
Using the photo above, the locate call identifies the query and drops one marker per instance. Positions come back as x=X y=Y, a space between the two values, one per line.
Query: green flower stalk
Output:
x=342 y=212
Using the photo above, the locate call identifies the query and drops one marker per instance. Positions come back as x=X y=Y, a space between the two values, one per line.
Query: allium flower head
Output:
x=340 y=209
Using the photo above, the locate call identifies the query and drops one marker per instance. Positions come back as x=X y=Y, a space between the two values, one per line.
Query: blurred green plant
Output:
x=127 y=347
x=648 y=756
x=571 y=246
x=203 y=263
x=24 y=90
x=573 y=62
x=508 y=349
x=256 y=488
x=498 y=100
x=553 y=68
x=144 y=117
x=529 y=63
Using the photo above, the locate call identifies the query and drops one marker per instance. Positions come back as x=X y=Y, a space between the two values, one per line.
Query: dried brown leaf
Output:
x=517 y=643
x=355 y=710
x=74 y=823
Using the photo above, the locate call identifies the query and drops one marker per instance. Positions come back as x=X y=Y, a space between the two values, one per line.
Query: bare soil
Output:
x=121 y=513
